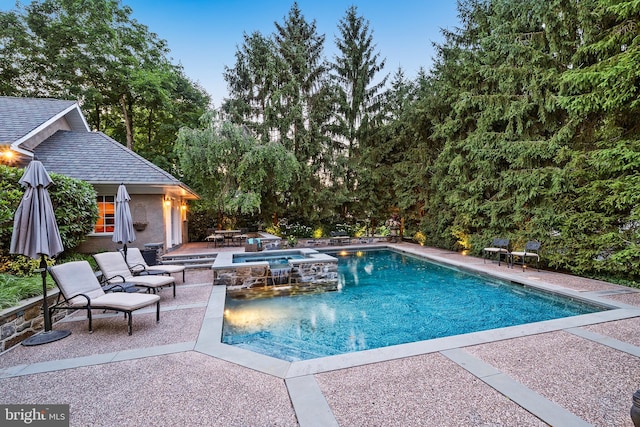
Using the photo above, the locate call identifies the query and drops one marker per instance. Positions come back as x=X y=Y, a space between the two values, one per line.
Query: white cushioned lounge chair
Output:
x=80 y=289
x=139 y=266
x=115 y=270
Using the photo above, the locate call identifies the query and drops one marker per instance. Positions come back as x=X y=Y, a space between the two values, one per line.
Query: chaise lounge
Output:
x=139 y=266
x=115 y=270
x=80 y=289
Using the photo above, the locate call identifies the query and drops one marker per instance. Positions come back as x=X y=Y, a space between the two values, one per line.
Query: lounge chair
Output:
x=80 y=289
x=139 y=266
x=499 y=247
x=115 y=270
x=531 y=249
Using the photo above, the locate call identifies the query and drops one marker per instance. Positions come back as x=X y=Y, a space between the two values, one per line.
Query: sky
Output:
x=204 y=35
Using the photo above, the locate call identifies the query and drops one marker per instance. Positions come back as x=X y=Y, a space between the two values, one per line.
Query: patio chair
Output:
x=531 y=250
x=80 y=289
x=139 y=267
x=214 y=238
x=115 y=270
x=499 y=247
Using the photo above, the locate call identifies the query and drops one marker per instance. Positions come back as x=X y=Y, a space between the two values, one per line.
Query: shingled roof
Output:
x=43 y=124
x=98 y=159
x=20 y=117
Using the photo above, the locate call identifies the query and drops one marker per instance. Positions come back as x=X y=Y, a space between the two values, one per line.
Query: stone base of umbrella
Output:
x=48 y=335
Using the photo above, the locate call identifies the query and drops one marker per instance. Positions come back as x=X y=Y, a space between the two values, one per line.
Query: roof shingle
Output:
x=19 y=116
x=98 y=159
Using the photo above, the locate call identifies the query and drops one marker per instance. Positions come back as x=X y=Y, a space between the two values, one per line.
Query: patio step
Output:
x=204 y=260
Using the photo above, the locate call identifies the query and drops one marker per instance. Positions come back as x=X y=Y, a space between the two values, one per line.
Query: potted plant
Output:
x=139 y=226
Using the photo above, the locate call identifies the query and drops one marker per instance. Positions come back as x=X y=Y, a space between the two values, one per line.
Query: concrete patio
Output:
x=566 y=372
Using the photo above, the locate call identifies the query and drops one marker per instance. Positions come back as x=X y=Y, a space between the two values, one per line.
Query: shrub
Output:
x=20 y=265
x=14 y=289
x=420 y=238
x=298 y=230
x=74 y=204
x=274 y=229
x=383 y=231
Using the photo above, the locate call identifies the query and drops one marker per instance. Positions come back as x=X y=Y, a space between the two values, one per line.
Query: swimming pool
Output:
x=386 y=298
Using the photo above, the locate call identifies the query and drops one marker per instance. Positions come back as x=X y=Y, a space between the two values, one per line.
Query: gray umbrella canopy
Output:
x=36 y=235
x=123 y=230
x=35 y=231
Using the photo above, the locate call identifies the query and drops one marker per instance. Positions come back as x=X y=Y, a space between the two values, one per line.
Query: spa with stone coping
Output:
x=275 y=272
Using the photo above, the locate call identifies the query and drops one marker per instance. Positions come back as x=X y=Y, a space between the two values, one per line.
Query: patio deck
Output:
x=567 y=372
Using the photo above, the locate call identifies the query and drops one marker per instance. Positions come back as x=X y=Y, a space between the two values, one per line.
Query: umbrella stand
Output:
x=48 y=335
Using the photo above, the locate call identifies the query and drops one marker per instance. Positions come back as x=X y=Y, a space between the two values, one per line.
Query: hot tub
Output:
x=294 y=269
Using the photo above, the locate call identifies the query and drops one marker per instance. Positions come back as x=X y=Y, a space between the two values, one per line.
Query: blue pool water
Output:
x=386 y=298
x=274 y=260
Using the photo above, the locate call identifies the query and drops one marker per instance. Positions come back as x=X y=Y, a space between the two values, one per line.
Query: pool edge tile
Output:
x=309 y=403
x=543 y=408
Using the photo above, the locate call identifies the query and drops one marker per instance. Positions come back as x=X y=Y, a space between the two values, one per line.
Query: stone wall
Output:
x=19 y=323
x=320 y=273
x=303 y=276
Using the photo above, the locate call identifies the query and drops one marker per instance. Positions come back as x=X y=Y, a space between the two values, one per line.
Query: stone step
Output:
x=190 y=260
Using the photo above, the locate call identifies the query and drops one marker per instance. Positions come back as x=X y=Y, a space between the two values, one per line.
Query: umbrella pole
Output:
x=45 y=303
x=47 y=335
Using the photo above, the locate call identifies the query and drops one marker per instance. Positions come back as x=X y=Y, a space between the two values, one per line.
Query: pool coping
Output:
x=224 y=260
x=213 y=323
x=311 y=404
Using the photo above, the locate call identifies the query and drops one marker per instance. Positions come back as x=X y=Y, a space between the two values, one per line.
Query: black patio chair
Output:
x=499 y=247
x=531 y=250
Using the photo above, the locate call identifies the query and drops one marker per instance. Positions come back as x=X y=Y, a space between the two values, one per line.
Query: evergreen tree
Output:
x=303 y=108
x=360 y=99
x=602 y=229
x=252 y=86
x=500 y=169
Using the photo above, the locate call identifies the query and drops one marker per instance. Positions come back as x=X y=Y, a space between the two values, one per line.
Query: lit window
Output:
x=106 y=214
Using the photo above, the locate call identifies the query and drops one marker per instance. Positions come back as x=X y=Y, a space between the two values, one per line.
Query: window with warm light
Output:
x=106 y=214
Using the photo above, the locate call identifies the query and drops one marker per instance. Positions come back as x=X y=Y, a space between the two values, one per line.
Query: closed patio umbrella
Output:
x=123 y=230
x=36 y=235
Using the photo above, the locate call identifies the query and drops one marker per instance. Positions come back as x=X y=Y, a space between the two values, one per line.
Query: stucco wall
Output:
x=142 y=206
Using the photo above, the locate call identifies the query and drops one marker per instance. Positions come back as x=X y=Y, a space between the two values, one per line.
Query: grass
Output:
x=14 y=289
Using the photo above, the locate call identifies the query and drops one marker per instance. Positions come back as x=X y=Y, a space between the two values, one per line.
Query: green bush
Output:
x=74 y=203
x=297 y=230
x=20 y=265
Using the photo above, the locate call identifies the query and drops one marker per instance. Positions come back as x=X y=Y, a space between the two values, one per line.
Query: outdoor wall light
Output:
x=7 y=156
x=167 y=202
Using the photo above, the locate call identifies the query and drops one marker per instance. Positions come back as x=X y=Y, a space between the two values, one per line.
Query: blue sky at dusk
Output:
x=204 y=35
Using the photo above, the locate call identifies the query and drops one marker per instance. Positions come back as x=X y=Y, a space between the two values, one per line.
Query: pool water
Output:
x=386 y=298
x=273 y=260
